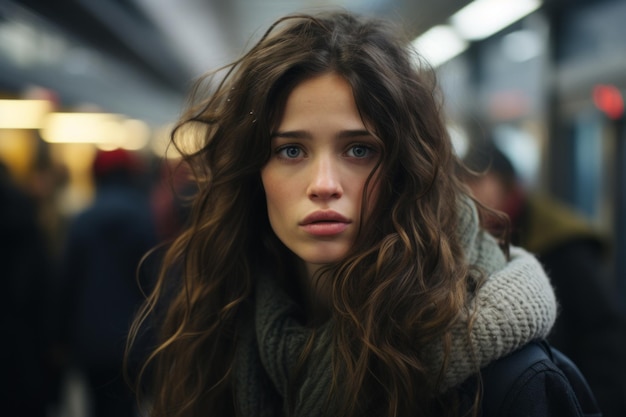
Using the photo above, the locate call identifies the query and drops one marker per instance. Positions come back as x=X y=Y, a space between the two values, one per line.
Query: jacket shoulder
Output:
x=536 y=380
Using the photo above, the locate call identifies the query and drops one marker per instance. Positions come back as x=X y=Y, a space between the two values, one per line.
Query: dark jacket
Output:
x=25 y=279
x=105 y=244
x=538 y=381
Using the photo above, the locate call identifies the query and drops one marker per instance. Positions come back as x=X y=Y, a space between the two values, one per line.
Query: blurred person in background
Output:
x=104 y=246
x=170 y=197
x=26 y=375
x=590 y=328
x=45 y=182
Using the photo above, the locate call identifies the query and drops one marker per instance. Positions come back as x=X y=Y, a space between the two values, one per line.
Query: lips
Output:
x=325 y=223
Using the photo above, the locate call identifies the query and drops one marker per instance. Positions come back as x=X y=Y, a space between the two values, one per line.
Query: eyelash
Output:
x=280 y=150
x=369 y=149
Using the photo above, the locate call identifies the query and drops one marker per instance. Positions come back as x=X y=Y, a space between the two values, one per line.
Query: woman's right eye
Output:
x=289 y=152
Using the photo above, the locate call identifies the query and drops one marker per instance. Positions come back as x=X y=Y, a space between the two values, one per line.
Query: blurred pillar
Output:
x=620 y=209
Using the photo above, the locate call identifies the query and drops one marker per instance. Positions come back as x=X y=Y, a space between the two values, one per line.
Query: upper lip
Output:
x=324 y=216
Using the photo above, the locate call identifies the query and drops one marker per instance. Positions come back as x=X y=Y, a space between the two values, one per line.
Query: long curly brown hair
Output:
x=402 y=285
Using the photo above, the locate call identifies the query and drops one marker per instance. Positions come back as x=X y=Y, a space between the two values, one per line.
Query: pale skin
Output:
x=490 y=190
x=322 y=155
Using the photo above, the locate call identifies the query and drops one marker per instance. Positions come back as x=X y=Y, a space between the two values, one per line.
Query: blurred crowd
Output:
x=73 y=279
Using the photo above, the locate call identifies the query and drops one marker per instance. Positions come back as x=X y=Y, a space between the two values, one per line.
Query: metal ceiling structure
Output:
x=164 y=44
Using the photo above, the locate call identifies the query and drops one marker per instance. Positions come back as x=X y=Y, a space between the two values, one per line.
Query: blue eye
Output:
x=290 y=152
x=359 y=151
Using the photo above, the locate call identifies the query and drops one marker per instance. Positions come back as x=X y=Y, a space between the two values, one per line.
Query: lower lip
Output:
x=325 y=228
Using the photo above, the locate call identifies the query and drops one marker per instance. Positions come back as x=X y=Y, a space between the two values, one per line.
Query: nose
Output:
x=325 y=180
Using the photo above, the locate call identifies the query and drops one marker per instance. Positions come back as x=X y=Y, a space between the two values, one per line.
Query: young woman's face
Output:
x=322 y=155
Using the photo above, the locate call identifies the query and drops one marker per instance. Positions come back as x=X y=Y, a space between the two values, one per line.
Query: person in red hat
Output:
x=104 y=246
x=116 y=164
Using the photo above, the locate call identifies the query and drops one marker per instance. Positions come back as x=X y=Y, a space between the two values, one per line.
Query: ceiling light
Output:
x=439 y=44
x=521 y=45
x=137 y=134
x=23 y=114
x=482 y=18
x=99 y=128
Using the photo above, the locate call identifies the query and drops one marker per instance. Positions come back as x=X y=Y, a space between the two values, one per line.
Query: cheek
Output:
x=268 y=188
x=373 y=193
x=274 y=187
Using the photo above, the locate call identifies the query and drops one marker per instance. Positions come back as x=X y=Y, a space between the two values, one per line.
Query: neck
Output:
x=315 y=287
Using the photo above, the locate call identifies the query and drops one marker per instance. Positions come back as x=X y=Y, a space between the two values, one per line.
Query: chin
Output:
x=323 y=258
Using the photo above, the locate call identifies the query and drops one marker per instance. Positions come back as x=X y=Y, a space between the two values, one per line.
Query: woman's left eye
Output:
x=360 y=151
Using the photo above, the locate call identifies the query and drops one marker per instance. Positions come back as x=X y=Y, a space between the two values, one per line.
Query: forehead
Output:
x=325 y=99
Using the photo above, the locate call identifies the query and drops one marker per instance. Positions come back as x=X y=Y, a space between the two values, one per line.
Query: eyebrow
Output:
x=303 y=134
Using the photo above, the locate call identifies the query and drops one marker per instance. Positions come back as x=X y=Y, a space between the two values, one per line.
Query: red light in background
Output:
x=608 y=98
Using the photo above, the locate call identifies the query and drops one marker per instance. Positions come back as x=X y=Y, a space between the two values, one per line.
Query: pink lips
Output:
x=325 y=223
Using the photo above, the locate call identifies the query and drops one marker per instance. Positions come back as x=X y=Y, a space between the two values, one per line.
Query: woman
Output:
x=334 y=264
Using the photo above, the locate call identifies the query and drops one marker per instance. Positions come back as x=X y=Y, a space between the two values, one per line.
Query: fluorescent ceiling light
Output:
x=102 y=128
x=106 y=130
x=482 y=18
x=521 y=45
x=133 y=135
x=137 y=134
x=439 y=44
x=23 y=114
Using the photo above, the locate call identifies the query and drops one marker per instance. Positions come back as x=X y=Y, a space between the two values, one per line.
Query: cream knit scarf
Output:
x=516 y=304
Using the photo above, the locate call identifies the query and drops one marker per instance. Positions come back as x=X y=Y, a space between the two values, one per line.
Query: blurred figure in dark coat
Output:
x=26 y=371
x=104 y=247
x=590 y=328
